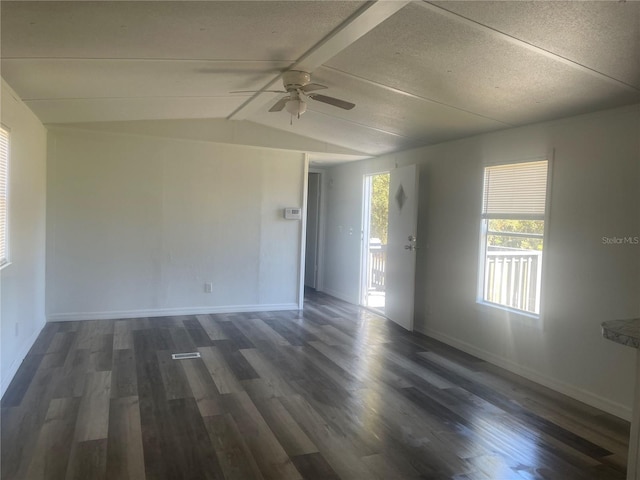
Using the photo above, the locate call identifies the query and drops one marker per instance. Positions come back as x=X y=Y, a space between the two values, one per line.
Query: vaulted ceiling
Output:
x=419 y=72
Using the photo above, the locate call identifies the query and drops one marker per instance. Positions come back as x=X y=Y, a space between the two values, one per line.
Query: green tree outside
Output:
x=505 y=227
x=380 y=206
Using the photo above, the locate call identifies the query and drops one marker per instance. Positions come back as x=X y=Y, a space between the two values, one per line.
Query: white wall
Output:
x=595 y=193
x=137 y=224
x=22 y=295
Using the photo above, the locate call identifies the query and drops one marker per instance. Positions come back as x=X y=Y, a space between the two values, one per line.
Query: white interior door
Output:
x=401 y=245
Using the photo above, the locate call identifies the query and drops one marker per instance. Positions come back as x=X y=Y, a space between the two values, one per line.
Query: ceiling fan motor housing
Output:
x=295 y=79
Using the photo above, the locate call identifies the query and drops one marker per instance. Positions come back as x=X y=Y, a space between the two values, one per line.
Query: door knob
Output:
x=410 y=247
x=411 y=238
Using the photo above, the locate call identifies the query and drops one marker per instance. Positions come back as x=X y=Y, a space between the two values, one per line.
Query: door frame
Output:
x=303 y=231
x=322 y=208
x=367 y=180
x=313 y=224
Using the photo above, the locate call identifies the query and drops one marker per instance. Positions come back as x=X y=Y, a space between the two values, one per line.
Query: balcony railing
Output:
x=513 y=278
x=377 y=267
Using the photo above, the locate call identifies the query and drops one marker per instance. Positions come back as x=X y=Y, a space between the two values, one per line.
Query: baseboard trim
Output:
x=13 y=369
x=167 y=312
x=577 y=393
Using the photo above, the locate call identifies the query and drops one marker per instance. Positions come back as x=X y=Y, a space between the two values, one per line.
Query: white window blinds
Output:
x=517 y=190
x=4 y=170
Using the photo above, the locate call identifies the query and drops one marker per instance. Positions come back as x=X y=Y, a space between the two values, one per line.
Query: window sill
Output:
x=494 y=310
x=2 y=267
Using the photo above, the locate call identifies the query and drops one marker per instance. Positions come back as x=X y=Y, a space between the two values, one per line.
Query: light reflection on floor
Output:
x=518 y=445
x=488 y=445
x=485 y=432
x=375 y=300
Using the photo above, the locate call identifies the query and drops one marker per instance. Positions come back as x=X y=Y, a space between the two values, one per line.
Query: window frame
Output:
x=484 y=232
x=5 y=261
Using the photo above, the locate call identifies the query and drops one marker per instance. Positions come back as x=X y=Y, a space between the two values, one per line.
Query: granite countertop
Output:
x=625 y=332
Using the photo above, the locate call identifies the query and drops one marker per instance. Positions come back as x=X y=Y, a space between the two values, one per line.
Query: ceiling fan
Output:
x=298 y=87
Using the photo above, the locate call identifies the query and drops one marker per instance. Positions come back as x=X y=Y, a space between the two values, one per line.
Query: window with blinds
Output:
x=4 y=172
x=513 y=212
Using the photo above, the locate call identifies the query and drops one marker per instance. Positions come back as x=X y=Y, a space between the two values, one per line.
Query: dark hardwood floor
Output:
x=333 y=392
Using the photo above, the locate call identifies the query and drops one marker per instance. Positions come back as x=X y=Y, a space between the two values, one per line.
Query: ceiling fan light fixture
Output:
x=296 y=107
x=298 y=87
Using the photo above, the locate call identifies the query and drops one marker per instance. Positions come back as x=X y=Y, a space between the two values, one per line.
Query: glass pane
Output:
x=519 y=226
x=520 y=241
x=505 y=242
x=513 y=264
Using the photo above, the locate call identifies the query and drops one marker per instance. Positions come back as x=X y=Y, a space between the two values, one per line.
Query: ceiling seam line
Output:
x=360 y=124
x=414 y=96
x=49 y=99
x=151 y=59
x=530 y=46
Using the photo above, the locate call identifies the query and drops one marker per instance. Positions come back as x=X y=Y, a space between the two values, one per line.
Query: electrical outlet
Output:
x=208 y=287
x=16 y=329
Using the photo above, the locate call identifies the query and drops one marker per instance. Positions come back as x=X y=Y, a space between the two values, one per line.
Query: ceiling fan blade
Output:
x=336 y=102
x=279 y=105
x=258 y=91
x=312 y=87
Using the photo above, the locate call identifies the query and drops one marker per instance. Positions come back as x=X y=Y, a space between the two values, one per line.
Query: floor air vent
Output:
x=184 y=356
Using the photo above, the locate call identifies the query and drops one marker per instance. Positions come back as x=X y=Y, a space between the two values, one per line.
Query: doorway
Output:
x=313 y=230
x=375 y=232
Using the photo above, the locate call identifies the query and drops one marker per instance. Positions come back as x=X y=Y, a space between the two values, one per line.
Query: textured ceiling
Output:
x=419 y=72
x=596 y=34
x=232 y=30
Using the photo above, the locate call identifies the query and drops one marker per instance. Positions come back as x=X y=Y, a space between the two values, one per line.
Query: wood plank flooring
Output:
x=332 y=392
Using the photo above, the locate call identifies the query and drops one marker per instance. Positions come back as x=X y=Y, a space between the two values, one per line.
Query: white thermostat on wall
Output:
x=292 y=213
